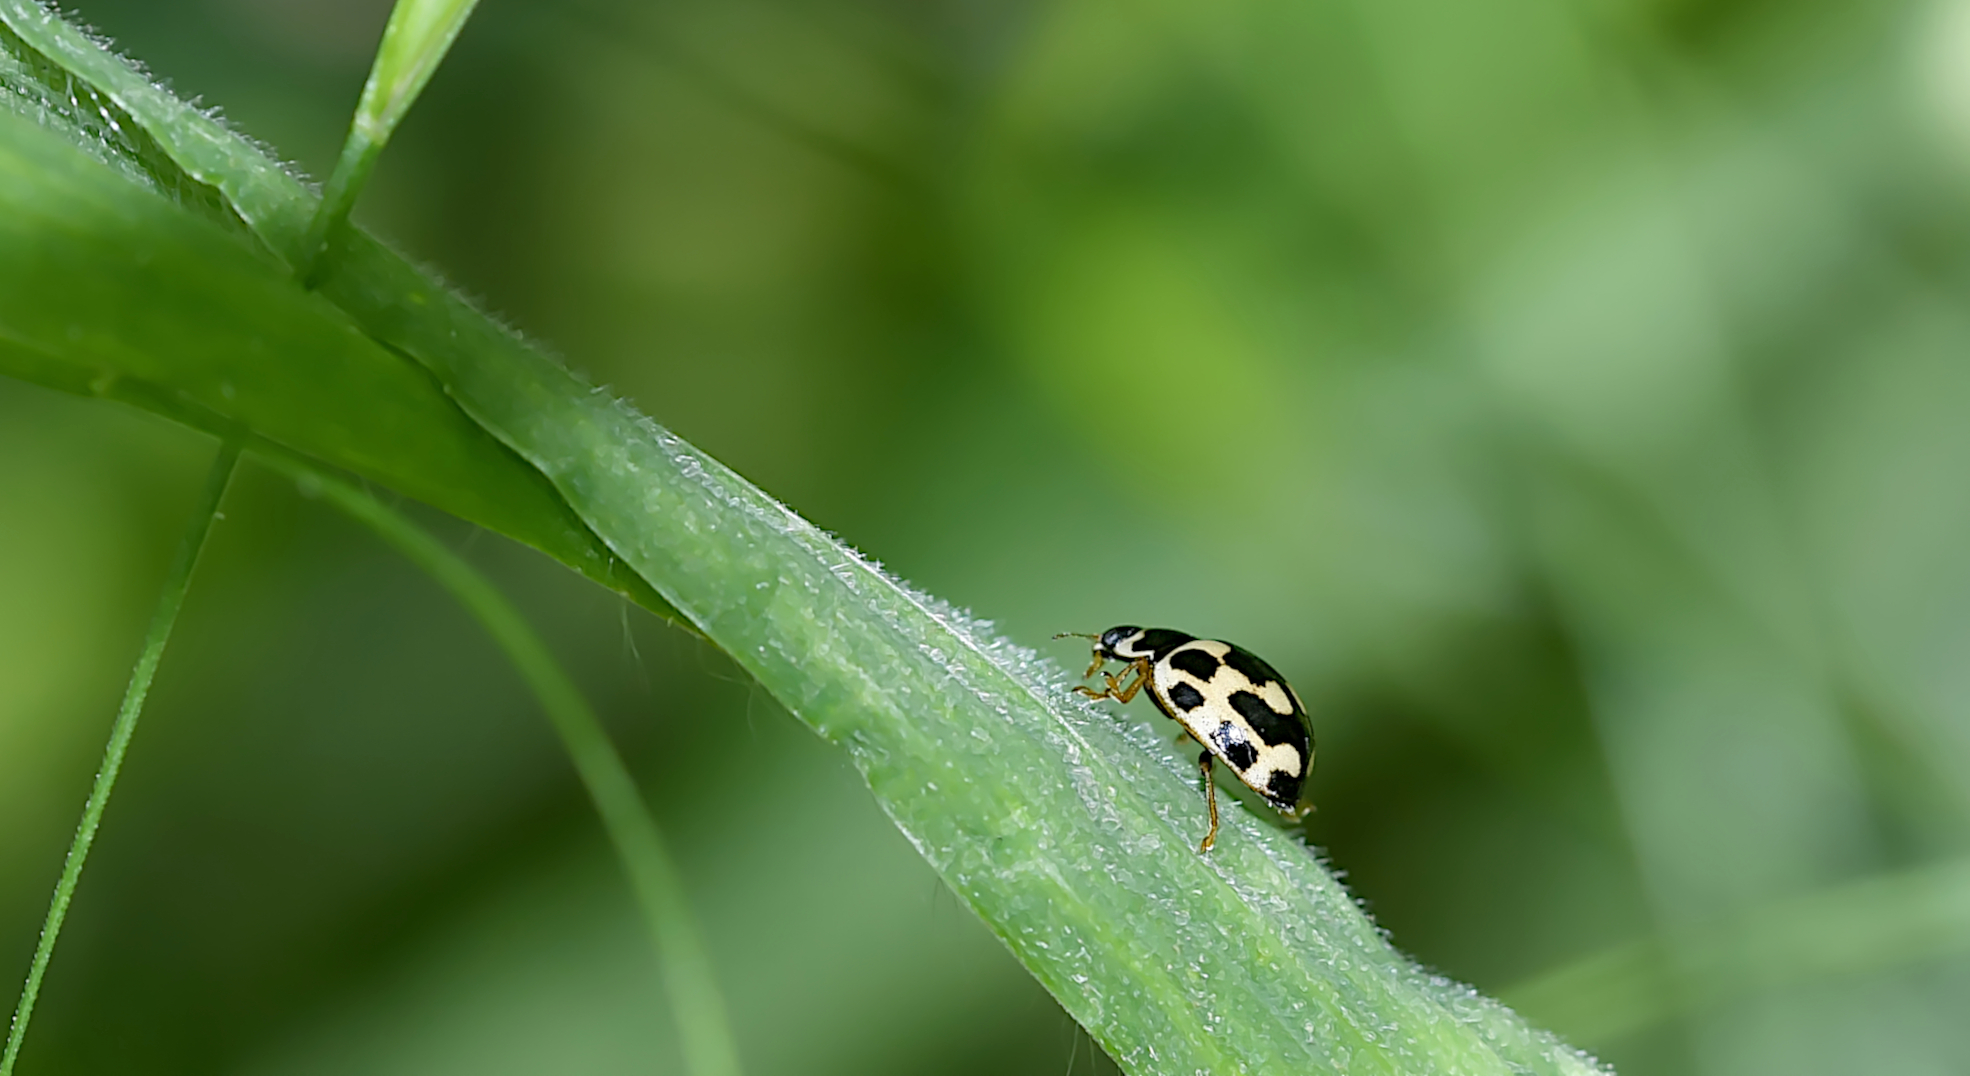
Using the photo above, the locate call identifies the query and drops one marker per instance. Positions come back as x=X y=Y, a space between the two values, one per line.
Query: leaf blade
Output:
x=110 y=290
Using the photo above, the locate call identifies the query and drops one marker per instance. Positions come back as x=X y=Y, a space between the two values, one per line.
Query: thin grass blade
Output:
x=170 y=599
x=415 y=41
x=697 y=1004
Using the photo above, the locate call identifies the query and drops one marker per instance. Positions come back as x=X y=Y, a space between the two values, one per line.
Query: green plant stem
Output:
x=695 y=999
x=415 y=41
x=351 y=175
x=170 y=599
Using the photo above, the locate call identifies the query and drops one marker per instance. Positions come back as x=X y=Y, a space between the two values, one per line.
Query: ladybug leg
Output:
x=1211 y=798
x=1110 y=692
x=1141 y=669
x=1115 y=690
x=1099 y=661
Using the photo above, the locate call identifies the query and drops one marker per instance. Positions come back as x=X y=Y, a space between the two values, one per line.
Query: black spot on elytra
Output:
x=1195 y=662
x=1158 y=641
x=1186 y=697
x=1271 y=726
x=1240 y=754
x=1251 y=666
x=1283 y=789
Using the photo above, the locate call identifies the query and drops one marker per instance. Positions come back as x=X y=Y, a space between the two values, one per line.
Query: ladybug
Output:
x=1225 y=697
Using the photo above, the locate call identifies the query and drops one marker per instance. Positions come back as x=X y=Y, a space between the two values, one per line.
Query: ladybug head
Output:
x=1119 y=643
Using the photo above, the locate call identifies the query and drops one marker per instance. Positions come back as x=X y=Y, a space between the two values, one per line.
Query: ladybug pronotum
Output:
x=1225 y=697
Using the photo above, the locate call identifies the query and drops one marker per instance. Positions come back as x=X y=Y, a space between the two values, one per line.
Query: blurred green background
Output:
x=1569 y=396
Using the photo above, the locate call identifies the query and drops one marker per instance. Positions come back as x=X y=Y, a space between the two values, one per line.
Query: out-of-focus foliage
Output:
x=1567 y=397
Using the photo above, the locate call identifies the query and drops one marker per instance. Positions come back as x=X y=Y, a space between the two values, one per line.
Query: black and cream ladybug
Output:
x=1225 y=697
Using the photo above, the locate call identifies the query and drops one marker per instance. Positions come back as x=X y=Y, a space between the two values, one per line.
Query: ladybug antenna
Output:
x=1076 y=635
